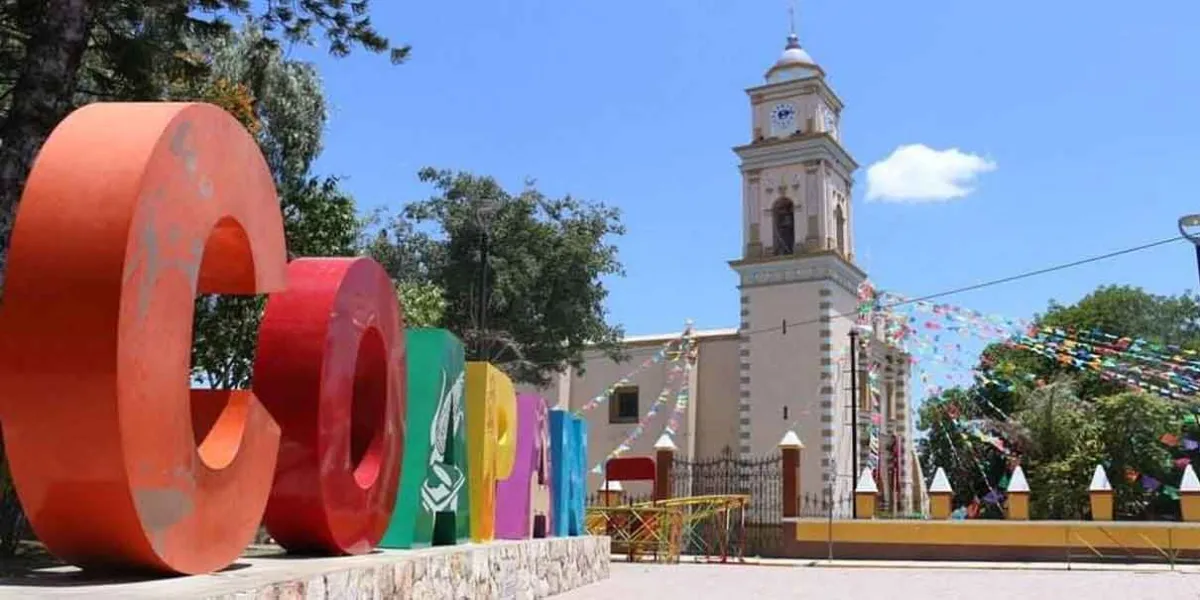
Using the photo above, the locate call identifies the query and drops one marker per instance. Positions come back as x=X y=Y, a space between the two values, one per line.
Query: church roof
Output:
x=794 y=55
x=665 y=337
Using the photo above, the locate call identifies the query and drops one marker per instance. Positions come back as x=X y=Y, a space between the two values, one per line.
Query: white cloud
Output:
x=916 y=173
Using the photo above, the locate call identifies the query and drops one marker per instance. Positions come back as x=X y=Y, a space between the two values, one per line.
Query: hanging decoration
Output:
x=943 y=342
x=681 y=396
x=668 y=350
x=682 y=361
x=873 y=388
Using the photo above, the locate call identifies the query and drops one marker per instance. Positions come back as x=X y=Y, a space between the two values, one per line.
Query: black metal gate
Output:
x=760 y=478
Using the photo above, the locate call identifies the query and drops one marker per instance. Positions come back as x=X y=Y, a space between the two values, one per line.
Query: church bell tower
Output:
x=797 y=267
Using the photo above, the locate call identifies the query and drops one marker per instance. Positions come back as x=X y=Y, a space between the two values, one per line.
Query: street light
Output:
x=1189 y=227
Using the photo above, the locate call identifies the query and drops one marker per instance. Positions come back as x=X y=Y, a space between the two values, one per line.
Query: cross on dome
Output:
x=795 y=62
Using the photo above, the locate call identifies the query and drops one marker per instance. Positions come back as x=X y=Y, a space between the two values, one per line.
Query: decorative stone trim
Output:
x=821 y=267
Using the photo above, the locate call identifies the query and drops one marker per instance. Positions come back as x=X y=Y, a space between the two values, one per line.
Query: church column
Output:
x=828 y=235
x=814 y=206
x=751 y=204
x=849 y=221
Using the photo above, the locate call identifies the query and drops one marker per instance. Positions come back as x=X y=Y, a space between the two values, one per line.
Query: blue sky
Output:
x=1090 y=112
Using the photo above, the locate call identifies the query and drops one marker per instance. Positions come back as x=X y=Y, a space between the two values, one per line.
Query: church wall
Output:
x=715 y=405
x=836 y=439
x=603 y=435
x=704 y=429
x=783 y=369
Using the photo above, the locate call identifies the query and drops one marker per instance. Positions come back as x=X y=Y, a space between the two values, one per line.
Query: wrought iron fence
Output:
x=819 y=506
x=760 y=478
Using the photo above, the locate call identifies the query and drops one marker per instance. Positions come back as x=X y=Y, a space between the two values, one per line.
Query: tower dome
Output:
x=794 y=63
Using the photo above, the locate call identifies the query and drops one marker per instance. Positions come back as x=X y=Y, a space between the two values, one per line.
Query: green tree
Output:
x=1061 y=451
x=1122 y=311
x=546 y=257
x=973 y=467
x=424 y=304
x=1130 y=428
x=1065 y=420
x=284 y=106
x=58 y=54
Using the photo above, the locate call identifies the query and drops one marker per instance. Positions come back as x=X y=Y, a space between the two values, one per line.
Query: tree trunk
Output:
x=42 y=96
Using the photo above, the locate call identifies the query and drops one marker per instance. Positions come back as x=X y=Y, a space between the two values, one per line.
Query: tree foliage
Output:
x=58 y=54
x=282 y=102
x=1061 y=422
x=546 y=257
x=424 y=303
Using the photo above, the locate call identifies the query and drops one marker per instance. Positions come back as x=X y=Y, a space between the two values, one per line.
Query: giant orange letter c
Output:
x=129 y=212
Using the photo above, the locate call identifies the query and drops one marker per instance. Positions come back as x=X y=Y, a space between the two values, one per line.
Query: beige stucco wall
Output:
x=716 y=403
x=709 y=420
x=784 y=369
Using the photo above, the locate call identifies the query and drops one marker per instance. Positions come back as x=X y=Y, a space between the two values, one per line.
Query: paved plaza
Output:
x=699 y=582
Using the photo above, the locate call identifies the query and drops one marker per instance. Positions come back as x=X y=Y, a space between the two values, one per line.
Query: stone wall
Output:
x=501 y=570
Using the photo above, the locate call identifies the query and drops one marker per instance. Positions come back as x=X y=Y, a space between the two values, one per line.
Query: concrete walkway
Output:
x=895 y=580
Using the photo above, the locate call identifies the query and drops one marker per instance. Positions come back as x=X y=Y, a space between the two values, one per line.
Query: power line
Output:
x=986 y=284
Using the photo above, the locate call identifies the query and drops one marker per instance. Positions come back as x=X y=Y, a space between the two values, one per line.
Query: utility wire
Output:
x=982 y=285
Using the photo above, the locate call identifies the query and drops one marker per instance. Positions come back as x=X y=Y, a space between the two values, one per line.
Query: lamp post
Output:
x=1189 y=227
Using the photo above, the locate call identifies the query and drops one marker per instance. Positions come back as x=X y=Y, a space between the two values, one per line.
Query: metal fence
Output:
x=726 y=474
x=760 y=478
x=820 y=506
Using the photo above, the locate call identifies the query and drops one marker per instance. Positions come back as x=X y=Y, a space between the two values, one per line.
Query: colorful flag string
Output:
x=672 y=347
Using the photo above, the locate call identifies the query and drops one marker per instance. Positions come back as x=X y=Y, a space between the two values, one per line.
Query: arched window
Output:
x=784 y=217
x=841 y=229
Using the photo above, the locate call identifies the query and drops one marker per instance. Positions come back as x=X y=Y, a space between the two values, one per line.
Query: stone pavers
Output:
x=734 y=582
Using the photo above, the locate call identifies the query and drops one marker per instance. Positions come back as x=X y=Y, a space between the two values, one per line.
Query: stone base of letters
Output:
x=500 y=569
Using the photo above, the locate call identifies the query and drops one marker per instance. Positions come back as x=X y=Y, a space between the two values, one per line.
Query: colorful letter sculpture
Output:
x=523 y=500
x=330 y=369
x=433 y=480
x=129 y=212
x=568 y=459
x=487 y=390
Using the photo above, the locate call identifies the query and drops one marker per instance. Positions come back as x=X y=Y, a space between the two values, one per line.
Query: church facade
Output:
x=786 y=367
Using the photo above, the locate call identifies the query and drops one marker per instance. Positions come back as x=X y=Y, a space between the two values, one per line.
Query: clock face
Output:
x=783 y=117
